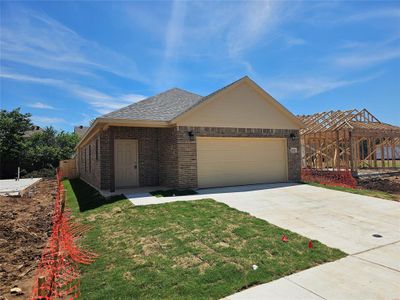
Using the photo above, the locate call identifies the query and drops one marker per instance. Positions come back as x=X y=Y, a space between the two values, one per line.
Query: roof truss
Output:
x=336 y=120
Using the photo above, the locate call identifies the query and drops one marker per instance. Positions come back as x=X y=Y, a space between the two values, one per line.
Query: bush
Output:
x=44 y=173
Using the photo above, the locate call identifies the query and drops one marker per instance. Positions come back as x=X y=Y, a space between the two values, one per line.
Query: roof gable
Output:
x=241 y=104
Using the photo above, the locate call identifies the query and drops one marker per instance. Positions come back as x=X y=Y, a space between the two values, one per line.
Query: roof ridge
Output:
x=186 y=91
x=147 y=99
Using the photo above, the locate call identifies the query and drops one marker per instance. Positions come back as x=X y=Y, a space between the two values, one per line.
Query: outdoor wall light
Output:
x=293 y=136
x=191 y=135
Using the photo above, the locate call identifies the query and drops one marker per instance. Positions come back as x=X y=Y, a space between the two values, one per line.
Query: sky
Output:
x=67 y=63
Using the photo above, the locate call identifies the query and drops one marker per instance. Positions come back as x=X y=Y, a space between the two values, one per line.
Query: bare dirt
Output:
x=389 y=184
x=25 y=226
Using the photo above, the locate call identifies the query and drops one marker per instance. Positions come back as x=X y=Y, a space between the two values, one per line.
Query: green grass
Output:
x=388 y=164
x=192 y=250
x=87 y=198
x=172 y=193
x=359 y=191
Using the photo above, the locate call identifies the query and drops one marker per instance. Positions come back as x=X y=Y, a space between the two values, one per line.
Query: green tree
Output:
x=42 y=150
x=45 y=149
x=13 y=125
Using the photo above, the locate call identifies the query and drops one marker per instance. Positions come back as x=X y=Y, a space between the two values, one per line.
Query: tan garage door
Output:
x=238 y=161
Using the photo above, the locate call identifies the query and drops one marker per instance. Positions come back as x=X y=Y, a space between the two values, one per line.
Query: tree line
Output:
x=37 y=154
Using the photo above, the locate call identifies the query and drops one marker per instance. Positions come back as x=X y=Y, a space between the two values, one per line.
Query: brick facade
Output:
x=167 y=156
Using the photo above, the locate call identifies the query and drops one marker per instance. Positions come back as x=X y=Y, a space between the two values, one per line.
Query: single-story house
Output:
x=237 y=135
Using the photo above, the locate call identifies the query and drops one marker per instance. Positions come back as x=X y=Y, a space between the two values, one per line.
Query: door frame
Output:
x=136 y=184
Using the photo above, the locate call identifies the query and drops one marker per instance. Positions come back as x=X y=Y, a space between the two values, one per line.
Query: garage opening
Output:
x=238 y=161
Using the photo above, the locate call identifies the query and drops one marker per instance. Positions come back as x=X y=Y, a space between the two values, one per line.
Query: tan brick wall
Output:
x=168 y=157
x=90 y=173
x=187 y=156
x=102 y=175
x=154 y=145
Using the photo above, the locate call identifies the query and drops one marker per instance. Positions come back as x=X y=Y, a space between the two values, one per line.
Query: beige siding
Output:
x=242 y=107
x=237 y=161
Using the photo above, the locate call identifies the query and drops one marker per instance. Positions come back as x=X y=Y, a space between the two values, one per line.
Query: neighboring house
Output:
x=388 y=153
x=80 y=130
x=34 y=129
x=234 y=136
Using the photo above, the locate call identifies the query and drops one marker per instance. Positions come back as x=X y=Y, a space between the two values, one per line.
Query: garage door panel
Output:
x=235 y=161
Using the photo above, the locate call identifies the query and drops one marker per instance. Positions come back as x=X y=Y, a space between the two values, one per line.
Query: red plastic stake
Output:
x=310 y=244
x=284 y=239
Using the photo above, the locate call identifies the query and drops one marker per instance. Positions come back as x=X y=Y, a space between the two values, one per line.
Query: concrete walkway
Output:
x=337 y=219
x=352 y=277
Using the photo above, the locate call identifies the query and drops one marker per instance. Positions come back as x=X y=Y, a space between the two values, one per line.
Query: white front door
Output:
x=126 y=163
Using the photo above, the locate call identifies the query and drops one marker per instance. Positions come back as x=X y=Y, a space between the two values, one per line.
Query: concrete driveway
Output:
x=337 y=219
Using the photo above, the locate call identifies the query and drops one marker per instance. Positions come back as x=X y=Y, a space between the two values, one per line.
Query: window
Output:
x=97 y=149
x=81 y=160
x=90 y=158
x=85 y=160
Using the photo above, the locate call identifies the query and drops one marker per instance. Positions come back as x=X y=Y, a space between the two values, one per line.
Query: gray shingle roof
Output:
x=162 y=107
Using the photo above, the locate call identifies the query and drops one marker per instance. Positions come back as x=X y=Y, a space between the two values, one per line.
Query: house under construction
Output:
x=349 y=140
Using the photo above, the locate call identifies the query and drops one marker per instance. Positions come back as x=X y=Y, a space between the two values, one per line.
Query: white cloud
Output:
x=30 y=79
x=40 y=105
x=175 y=29
x=367 y=54
x=47 y=120
x=304 y=87
x=32 y=38
x=105 y=103
x=368 y=58
x=99 y=101
x=216 y=32
x=253 y=22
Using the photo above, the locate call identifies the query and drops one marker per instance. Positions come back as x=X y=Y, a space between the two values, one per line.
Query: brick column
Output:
x=294 y=159
x=187 y=158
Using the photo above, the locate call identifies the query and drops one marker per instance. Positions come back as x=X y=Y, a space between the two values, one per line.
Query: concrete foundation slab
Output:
x=12 y=187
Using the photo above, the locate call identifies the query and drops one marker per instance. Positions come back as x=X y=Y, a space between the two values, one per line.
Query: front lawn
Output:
x=197 y=249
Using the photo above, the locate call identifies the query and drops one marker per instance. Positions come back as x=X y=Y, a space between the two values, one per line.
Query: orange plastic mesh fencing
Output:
x=332 y=178
x=58 y=270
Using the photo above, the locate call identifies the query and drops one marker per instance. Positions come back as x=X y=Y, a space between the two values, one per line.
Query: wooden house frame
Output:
x=348 y=140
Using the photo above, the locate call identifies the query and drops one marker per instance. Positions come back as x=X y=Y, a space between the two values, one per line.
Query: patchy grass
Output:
x=194 y=250
x=359 y=191
x=172 y=193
